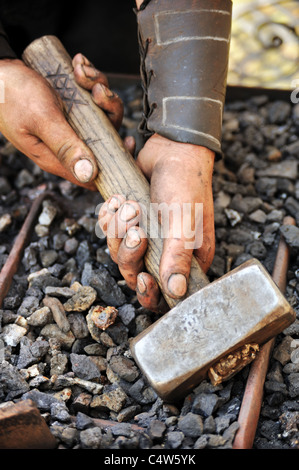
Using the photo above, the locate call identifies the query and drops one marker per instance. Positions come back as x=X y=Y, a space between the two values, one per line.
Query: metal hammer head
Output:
x=244 y=306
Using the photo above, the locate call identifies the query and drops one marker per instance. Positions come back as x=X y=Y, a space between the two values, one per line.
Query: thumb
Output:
x=182 y=233
x=175 y=267
x=69 y=149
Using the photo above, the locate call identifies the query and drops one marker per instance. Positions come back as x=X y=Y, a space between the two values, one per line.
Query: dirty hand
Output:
x=32 y=119
x=178 y=174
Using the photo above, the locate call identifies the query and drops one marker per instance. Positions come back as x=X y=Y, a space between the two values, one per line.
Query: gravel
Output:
x=82 y=377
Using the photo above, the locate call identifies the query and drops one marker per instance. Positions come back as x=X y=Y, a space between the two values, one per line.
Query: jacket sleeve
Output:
x=6 y=52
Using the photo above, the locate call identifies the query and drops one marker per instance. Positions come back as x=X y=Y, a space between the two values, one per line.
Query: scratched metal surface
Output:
x=199 y=330
x=264 y=49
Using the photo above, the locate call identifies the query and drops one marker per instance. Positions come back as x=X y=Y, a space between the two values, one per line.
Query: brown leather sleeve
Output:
x=184 y=51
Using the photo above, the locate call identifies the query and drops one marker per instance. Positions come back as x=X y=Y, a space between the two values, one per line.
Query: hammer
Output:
x=218 y=327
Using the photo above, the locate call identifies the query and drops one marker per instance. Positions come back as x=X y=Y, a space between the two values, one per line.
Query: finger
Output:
x=108 y=210
x=130 y=144
x=86 y=75
x=149 y=295
x=130 y=255
x=205 y=254
x=109 y=102
x=175 y=267
x=47 y=161
x=128 y=215
x=70 y=150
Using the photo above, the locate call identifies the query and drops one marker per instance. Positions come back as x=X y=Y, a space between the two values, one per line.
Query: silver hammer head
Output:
x=244 y=307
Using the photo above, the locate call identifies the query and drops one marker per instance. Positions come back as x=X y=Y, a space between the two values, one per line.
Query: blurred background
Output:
x=264 y=46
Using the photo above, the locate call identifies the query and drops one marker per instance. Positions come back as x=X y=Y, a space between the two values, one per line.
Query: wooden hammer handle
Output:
x=118 y=172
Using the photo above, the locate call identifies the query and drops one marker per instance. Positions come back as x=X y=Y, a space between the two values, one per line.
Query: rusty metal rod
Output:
x=253 y=395
x=11 y=265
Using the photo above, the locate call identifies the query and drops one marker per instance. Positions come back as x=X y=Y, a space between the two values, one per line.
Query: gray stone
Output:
x=293 y=379
x=43 y=278
x=284 y=169
x=84 y=253
x=42 y=230
x=28 y=306
x=53 y=331
x=201 y=442
x=83 y=421
x=206 y=403
x=209 y=425
x=106 y=287
x=60 y=412
x=78 y=325
x=48 y=257
x=282 y=352
x=26 y=358
x=191 y=425
x=84 y=367
x=58 y=313
x=5 y=222
x=269 y=233
x=124 y=368
x=292 y=206
x=48 y=213
x=91 y=438
x=81 y=300
x=12 y=334
x=71 y=245
x=24 y=178
x=266 y=186
x=127 y=313
x=40 y=317
x=122 y=429
x=12 y=381
x=245 y=204
x=29 y=258
x=5 y=186
x=291 y=235
x=279 y=111
x=113 y=398
x=175 y=439
x=58 y=364
x=39 y=348
x=258 y=216
x=156 y=430
x=258 y=250
x=65 y=292
x=42 y=400
x=240 y=236
x=223 y=422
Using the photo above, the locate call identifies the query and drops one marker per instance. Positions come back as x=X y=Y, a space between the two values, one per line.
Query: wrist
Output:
x=160 y=150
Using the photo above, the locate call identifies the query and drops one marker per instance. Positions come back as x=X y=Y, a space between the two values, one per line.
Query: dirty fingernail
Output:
x=83 y=170
x=132 y=239
x=141 y=286
x=109 y=93
x=89 y=71
x=113 y=204
x=128 y=212
x=177 y=284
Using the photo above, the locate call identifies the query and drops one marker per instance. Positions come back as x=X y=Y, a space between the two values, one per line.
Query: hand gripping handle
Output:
x=118 y=172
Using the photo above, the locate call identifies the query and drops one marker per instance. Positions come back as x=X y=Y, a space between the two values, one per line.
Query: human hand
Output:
x=178 y=174
x=32 y=119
